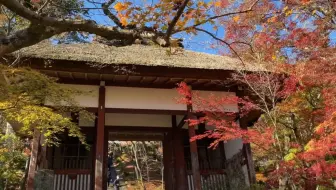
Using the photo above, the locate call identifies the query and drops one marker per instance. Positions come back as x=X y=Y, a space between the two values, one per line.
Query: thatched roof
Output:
x=133 y=55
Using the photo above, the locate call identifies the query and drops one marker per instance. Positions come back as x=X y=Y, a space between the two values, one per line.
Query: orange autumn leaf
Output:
x=305 y=1
x=123 y=20
x=236 y=18
x=218 y=4
x=121 y=6
x=221 y=3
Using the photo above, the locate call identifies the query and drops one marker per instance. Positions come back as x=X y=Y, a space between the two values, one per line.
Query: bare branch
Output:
x=43 y=6
x=175 y=19
x=218 y=16
x=108 y=13
x=245 y=43
x=224 y=42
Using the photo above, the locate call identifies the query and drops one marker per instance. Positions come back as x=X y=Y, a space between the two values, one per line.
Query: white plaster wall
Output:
x=217 y=94
x=142 y=98
x=137 y=120
x=139 y=98
x=233 y=147
x=88 y=99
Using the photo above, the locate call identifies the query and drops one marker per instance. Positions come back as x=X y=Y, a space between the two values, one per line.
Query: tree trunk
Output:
x=310 y=184
x=134 y=147
x=24 y=180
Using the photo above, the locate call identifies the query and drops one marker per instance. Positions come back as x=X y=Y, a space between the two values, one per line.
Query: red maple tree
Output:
x=293 y=86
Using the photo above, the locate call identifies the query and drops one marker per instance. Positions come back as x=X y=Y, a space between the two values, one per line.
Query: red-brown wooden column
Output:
x=33 y=160
x=248 y=154
x=193 y=151
x=179 y=161
x=194 y=158
x=100 y=140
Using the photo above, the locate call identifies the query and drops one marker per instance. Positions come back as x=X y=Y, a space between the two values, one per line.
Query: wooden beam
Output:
x=135 y=137
x=179 y=161
x=145 y=111
x=139 y=129
x=182 y=122
x=100 y=141
x=153 y=71
x=33 y=160
x=193 y=151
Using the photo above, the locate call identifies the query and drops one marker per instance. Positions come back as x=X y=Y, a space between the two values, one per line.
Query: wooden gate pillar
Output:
x=100 y=165
x=196 y=175
x=243 y=122
x=248 y=154
x=179 y=161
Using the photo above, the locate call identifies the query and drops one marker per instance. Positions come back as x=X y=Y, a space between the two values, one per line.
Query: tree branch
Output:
x=108 y=13
x=224 y=42
x=218 y=16
x=175 y=19
x=49 y=26
x=43 y=6
x=26 y=37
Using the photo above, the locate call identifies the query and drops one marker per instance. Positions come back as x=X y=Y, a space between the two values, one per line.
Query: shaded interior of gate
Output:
x=73 y=163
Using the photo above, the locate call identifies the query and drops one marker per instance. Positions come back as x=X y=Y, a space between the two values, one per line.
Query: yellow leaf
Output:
x=121 y=6
x=236 y=18
x=289 y=12
x=181 y=23
x=200 y=4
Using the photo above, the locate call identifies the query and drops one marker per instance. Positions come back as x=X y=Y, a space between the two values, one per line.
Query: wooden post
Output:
x=168 y=164
x=193 y=151
x=194 y=160
x=33 y=160
x=100 y=140
x=248 y=155
x=105 y=161
x=243 y=122
x=180 y=168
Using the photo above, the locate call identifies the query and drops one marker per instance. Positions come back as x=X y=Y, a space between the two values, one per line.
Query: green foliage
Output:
x=23 y=97
x=12 y=161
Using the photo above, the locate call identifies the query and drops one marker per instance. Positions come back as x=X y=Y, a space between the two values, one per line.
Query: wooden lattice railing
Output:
x=210 y=180
x=72 y=179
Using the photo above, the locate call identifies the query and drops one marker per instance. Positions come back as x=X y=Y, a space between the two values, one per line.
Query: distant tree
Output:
x=12 y=161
